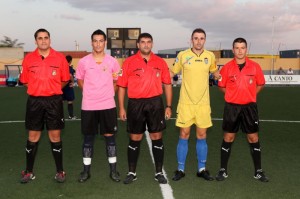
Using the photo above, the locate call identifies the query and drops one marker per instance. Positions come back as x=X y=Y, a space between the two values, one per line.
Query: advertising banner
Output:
x=282 y=79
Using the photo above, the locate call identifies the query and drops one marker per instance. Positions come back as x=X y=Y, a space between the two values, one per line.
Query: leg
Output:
x=57 y=152
x=111 y=154
x=31 y=150
x=157 y=150
x=133 y=152
x=182 y=150
x=56 y=147
x=201 y=149
x=158 y=154
x=70 y=109
x=182 y=147
x=228 y=139
x=87 y=154
x=255 y=150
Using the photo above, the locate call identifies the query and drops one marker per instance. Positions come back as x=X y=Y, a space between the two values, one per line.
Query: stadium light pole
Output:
x=272 y=71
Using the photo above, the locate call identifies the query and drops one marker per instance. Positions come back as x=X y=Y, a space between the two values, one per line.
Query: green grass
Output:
x=280 y=158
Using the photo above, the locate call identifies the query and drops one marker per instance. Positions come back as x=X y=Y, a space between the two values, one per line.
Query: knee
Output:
x=184 y=134
x=229 y=137
x=252 y=138
x=155 y=136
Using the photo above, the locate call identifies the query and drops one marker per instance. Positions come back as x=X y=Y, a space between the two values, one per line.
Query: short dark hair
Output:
x=98 y=32
x=69 y=58
x=198 y=30
x=239 y=40
x=144 y=35
x=41 y=30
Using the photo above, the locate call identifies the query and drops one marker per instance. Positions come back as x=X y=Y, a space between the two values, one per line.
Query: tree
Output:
x=8 y=42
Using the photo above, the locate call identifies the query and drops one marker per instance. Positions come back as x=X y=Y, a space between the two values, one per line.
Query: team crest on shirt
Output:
x=250 y=81
x=104 y=68
x=53 y=72
x=205 y=60
x=157 y=74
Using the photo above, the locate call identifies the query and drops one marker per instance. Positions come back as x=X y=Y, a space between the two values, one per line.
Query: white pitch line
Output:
x=215 y=119
x=166 y=189
x=262 y=120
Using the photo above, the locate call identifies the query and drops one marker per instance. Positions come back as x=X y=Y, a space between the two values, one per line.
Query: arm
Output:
x=217 y=75
x=168 y=94
x=121 y=96
x=63 y=84
x=80 y=83
x=222 y=89
x=258 y=89
x=71 y=84
x=115 y=86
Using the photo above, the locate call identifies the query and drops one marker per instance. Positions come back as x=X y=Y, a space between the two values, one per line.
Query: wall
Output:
x=10 y=56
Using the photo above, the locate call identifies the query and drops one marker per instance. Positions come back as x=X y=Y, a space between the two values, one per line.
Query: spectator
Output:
x=281 y=71
x=68 y=90
x=290 y=71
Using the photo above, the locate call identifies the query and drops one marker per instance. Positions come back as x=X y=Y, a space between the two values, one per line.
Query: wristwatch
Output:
x=169 y=107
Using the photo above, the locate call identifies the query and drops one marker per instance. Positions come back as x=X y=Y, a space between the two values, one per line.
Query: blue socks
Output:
x=201 y=149
x=182 y=150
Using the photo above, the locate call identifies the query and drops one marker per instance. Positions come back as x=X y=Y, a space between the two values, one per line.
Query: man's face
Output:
x=239 y=50
x=145 y=45
x=198 y=41
x=98 y=43
x=43 y=41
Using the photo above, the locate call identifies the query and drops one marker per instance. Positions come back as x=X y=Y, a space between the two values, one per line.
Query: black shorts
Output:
x=68 y=93
x=41 y=110
x=244 y=116
x=142 y=112
x=107 y=119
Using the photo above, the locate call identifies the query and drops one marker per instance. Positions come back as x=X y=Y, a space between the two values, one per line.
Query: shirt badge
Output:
x=250 y=81
x=104 y=68
x=53 y=72
x=157 y=74
x=205 y=60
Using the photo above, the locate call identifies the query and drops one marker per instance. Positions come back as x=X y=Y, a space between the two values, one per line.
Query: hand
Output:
x=122 y=115
x=168 y=113
x=217 y=75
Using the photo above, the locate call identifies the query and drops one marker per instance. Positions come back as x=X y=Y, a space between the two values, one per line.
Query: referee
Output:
x=44 y=73
x=242 y=79
x=143 y=75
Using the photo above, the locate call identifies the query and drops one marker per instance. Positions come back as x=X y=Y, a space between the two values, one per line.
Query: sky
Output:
x=268 y=25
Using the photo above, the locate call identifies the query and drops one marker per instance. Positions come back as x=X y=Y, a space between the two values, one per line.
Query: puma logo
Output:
x=133 y=148
x=157 y=147
x=227 y=150
x=28 y=150
x=57 y=150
